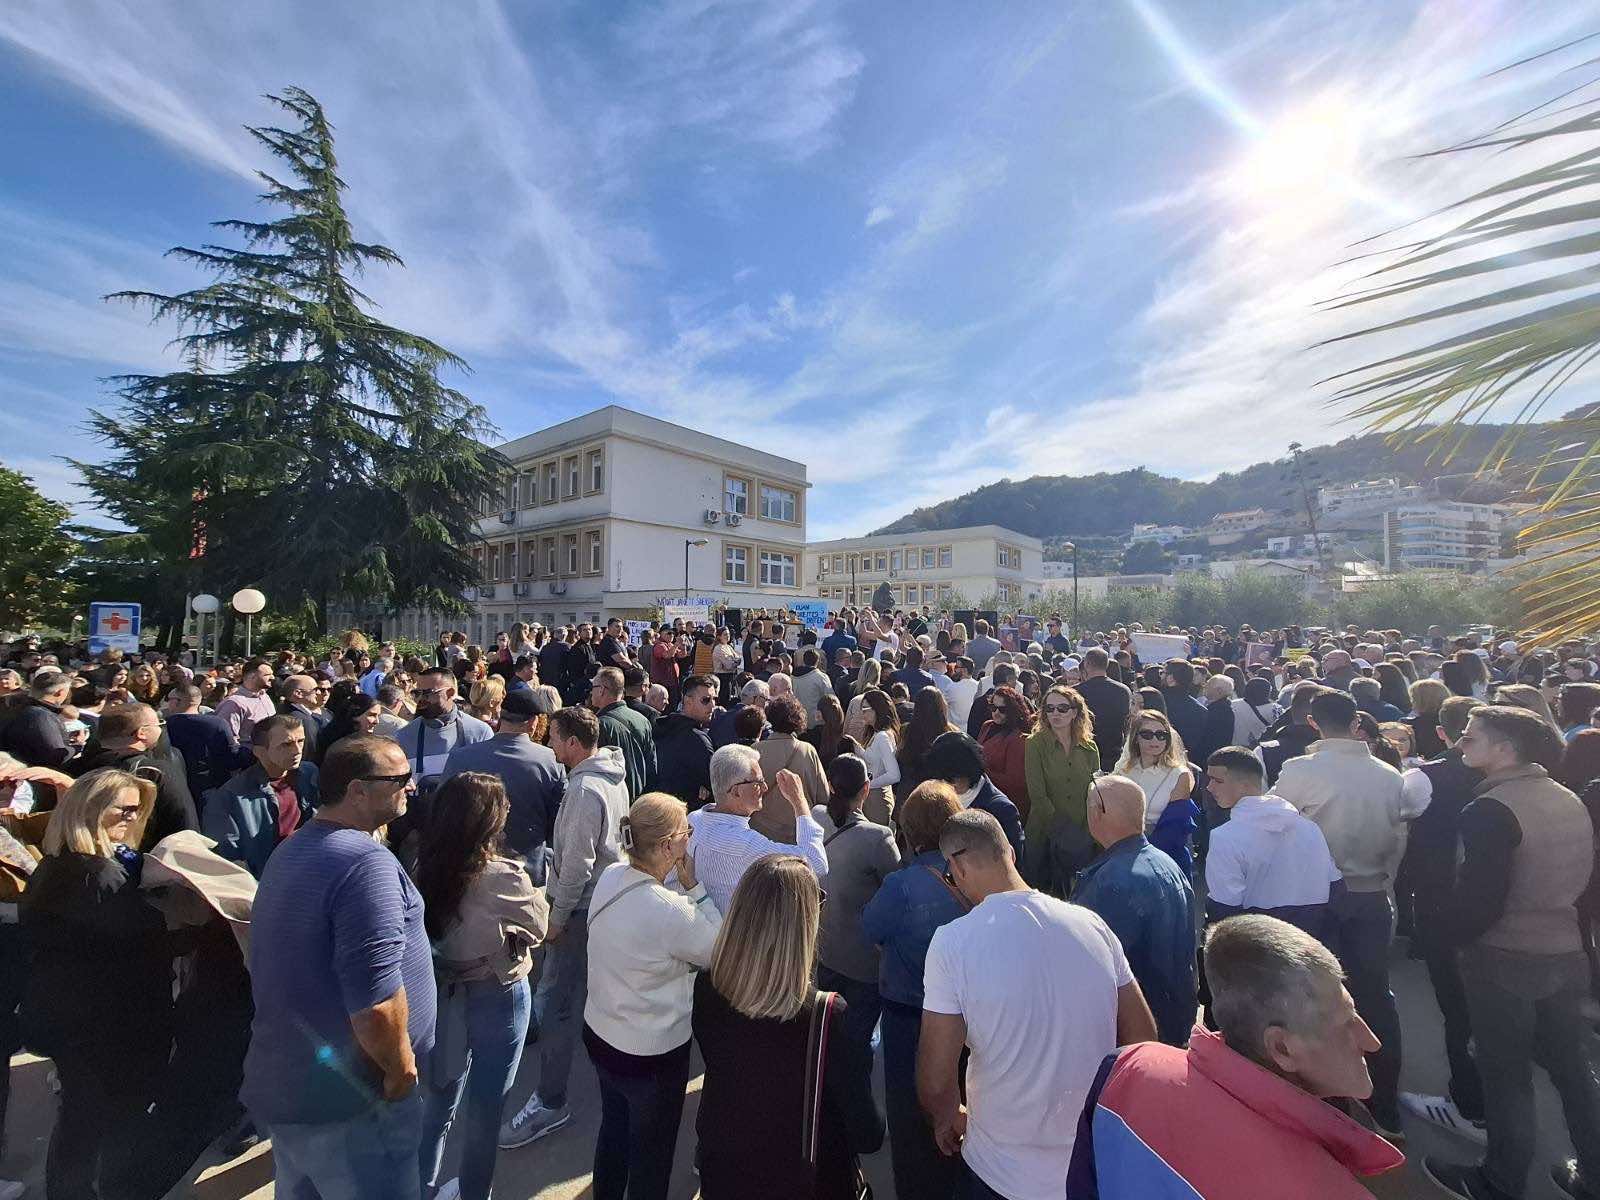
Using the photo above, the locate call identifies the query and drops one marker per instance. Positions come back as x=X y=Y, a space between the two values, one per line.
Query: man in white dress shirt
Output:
x=721 y=840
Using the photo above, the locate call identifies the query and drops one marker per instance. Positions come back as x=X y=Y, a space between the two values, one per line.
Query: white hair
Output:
x=657 y=697
x=755 y=690
x=779 y=684
x=731 y=765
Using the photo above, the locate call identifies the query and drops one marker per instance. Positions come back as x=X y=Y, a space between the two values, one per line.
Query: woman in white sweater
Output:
x=646 y=941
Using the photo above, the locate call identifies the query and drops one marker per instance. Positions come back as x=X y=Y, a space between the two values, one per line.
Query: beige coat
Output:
x=501 y=919
x=786 y=752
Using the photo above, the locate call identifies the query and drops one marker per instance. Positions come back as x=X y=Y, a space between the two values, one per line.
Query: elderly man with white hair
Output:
x=721 y=840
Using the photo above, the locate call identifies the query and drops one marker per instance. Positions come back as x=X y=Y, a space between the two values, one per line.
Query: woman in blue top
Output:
x=909 y=905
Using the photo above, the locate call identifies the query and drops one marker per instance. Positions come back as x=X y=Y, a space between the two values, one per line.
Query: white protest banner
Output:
x=636 y=631
x=1158 y=647
x=695 y=614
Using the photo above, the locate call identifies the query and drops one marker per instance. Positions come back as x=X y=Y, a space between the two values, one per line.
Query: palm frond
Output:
x=1519 y=243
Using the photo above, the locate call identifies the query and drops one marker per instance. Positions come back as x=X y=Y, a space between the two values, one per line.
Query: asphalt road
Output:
x=557 y=1168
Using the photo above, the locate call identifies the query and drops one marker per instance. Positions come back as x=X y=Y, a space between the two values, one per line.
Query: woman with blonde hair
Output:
x=97 y=998
x=801 y=1102
x=143 y=685
x=1060 y=760
x=487 y=693
x=1156 y=760
x=647 y=942
x=1426 y=697
x=871 y=676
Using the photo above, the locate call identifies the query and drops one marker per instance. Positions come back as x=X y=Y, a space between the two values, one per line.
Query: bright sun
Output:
x=1302 y=165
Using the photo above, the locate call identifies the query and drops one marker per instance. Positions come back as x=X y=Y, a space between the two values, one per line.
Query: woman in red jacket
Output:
x=1003 y=736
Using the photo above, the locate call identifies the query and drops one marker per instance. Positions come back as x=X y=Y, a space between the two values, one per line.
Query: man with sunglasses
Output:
x=438 y=728
x=683 y=743
x=342 y=977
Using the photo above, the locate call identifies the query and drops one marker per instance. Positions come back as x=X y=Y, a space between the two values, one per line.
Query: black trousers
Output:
x=973 y=1188
x=1466 y=1086
x=639 y=1116
x=101 y=1105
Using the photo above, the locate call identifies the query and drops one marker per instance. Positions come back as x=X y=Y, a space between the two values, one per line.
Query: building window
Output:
x=777 y=504
x=777 y=569
x=494 y=563
x=477 y=564
x=530 y=488
x=927 y=558
x=735 y=564
x=595 y=564
x=509 y=494
x=944 y=593
x=736 y=495
x=882 y=561
x=552 y=482
x=597 y=471
x=946 y=553
x=570 y=542
x=838 y=564
x=572 y=477
x=550 y=558
x=894 y=560
x=510 y=560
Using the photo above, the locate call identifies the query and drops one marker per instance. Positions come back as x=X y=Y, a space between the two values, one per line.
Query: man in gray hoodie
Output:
x=587 y=841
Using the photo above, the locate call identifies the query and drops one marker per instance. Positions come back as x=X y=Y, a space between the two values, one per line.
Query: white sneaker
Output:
x=532 y=1122
x=1442 y=1111
x=449 y=1190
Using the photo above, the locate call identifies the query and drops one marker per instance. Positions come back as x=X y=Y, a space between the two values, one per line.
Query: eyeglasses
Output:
x=759 y=784
x=1062 y=708
x=1154 y=735
x=127 y=812
x=438 y=691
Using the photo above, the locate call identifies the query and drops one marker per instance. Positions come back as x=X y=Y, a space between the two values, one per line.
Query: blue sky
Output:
x=918 y=247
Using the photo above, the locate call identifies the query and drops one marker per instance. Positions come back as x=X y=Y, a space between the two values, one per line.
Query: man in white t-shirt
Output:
x=1041 y=993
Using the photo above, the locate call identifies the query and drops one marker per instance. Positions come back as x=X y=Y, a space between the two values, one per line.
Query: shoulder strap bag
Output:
x=634 y=886
x=822 y=1013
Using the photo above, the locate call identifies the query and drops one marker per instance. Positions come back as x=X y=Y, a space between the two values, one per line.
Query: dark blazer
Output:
x=210 y=751
x=174 y=809
x=993 y=801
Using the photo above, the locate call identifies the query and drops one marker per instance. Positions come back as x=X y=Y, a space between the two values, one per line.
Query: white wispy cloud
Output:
x=879 y=214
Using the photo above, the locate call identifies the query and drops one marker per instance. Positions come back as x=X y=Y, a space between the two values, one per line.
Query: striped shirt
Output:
x=724 y=846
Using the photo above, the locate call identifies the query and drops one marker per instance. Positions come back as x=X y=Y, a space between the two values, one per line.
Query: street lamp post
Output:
x=249 y=602
x=203 y=604
x=687 y=542
x=1076 y=632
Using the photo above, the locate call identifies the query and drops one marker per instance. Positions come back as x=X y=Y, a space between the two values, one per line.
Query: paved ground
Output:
x=558 y=1167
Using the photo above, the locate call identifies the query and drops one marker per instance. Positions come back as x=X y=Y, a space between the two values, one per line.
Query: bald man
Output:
x=297 y=697
x=1146 y=899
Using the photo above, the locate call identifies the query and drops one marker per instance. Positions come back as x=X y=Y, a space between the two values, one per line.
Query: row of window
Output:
x=911 y=558
x=907 y=594
x=564 y=478
x=774 y=502
x=555 y=556
x=774 y=568
x=1009 y=556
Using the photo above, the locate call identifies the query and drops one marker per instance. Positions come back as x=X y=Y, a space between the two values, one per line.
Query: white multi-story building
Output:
x=1363 y=500
x=930 y=567
x=601 y=517
x=1445 y=535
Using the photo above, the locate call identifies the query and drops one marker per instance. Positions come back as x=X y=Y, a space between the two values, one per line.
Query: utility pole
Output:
x=1311 y=509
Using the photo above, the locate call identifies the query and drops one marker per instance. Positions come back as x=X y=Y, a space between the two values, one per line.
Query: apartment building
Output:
x=601 y=517
x=930 y=567
x=1163 y=535
x=1445 y=535
x=1364 y=500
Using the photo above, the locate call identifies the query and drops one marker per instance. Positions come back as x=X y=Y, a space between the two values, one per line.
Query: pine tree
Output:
x=35 y=547
x=307 y=448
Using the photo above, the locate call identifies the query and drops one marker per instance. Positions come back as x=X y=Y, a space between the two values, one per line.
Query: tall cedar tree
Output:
x=308 y=448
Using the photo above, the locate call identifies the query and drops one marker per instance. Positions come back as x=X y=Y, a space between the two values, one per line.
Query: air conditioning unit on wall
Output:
x=711 y=516
x=559 y=588
x=522 y=589
x=734 y=519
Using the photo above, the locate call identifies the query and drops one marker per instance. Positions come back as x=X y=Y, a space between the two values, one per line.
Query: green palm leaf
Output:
x=1542 y=219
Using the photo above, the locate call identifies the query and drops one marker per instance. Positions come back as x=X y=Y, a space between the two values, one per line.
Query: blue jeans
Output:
x=491 y=1019
x=370 y=1157
x=558 y=1007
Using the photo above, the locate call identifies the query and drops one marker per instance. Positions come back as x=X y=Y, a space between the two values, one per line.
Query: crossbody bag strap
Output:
x=816 y=1062
x=966 y=905
x=841 y=829
x=634 y=886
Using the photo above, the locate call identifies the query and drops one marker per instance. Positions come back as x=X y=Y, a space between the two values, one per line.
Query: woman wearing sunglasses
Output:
x=1060 y=760
x=1155 y=759
x=98 y=995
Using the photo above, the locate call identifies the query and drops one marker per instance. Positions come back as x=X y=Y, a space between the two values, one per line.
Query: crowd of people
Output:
x=1112 y=928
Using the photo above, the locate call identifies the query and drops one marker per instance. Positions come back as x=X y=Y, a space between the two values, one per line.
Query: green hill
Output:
x=1103 y=505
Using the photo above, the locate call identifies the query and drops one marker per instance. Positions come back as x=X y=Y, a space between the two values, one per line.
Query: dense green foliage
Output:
x=1409 y=602
x=307 y=448
x=35 y=550
x=1047 y=506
